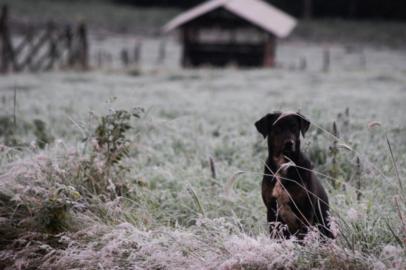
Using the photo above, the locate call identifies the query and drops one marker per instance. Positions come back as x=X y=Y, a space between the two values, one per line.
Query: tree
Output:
x=307 y=9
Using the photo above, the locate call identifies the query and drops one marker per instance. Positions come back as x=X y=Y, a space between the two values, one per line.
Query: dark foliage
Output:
x=355 y=9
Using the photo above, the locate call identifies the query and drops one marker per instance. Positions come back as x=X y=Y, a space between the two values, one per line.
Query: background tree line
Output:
x=354 y=9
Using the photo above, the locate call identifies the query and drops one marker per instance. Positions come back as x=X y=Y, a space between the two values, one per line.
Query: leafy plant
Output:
x=103 y=171
x=11 y=132
x=111 y=134
x=41 y=133
x=54 y=215
x=8 y=131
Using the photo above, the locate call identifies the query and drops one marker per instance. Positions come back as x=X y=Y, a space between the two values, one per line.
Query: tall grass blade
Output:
x=196 y=200
x=395 y=236
x=394 y=164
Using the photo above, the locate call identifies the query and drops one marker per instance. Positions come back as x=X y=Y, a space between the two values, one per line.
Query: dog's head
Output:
x=283 y=132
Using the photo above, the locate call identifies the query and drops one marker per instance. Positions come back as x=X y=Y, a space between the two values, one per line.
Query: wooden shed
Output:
x=222 y=32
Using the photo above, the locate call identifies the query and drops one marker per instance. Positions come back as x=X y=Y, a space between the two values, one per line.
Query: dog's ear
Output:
x=264 y=125
x=303 y=123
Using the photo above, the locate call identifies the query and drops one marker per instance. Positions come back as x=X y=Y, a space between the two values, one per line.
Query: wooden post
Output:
x=52 y=53
x=269 y=51
x=69 y=46
x=137 y=52
x=186 y=40
x=125 y=59
x=109 y=59
x=326 y=60
x=3 y=50
x=303 y=63
x=7 y=59
x=212 y=168
x=83 y=47
x=161 y=52
x=99 y=59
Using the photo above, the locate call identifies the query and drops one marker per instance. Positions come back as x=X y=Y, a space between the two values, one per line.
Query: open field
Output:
x=73 y=205
x=157 y=167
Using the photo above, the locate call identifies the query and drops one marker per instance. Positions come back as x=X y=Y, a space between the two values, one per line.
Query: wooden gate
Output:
x=44 y=49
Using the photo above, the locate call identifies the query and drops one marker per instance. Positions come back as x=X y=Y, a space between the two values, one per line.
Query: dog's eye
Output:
x=277 y=130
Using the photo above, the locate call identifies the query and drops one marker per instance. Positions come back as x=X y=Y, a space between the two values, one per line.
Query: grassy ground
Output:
x=113 y=169
x=147 y=199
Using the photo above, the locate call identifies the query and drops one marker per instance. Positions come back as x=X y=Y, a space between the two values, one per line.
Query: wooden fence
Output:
x=43 y=49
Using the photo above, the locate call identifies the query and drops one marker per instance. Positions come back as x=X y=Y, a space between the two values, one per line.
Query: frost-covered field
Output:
x=69 y=206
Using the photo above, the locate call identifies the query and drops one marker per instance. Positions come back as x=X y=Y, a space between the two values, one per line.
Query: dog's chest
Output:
x=283 y=198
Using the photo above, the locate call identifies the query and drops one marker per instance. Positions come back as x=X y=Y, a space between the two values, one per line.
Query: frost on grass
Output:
x=72 y=206
x=125 y=247
x=58 y=223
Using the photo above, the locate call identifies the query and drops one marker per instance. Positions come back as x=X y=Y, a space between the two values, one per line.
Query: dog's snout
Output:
x=289 y=145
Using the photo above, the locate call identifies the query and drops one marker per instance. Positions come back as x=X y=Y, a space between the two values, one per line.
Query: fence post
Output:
x=6 y=54
x=3 y=57
x=137 y=52
x=125 y=59
x=83 y=46
x=69 y=46
x=99 y=59
x=303 y=63
x=161 y=52
x=53 y=54
x=30 y=45
x=326 y=60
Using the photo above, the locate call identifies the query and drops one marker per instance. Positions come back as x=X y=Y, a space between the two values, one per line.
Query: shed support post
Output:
x=269 y=52
x=185 y=50
x=69 y=47
x=84 y=47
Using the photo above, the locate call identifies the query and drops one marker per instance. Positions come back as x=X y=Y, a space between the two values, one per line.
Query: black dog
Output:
x=290 y=190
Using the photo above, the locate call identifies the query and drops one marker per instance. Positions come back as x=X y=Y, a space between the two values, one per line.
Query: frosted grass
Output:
x=178 y=216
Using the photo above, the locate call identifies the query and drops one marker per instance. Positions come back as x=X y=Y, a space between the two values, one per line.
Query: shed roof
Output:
x=257 y=12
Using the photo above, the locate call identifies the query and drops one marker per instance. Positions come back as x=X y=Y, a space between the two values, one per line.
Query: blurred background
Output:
x=128 y=33
x=355 y=9
x=127 y=137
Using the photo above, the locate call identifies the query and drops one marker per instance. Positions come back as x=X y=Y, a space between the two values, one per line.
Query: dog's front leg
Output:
x=307 y=221
x=275 y=228
x=272 y=210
